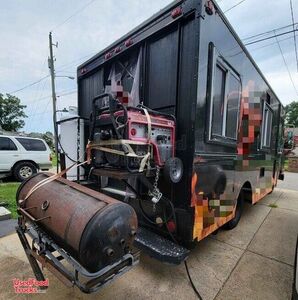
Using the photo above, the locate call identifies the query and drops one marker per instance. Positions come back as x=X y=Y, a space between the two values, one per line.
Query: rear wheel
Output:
x=24 y=170
x=239 y=208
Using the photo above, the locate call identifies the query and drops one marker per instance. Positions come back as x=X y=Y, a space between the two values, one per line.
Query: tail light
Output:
x=118 y=49
x=128 y=42
x=171 y=226
x=50 y=157
x=176 y=12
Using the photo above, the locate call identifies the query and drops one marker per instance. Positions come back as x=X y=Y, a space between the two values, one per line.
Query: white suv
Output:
x=23 y=156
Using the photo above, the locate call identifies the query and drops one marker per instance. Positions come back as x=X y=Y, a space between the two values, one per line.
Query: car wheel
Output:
x=24 y=170
x=239 y=208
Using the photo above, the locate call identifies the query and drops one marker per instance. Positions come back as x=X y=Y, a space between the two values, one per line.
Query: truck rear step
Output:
x=159 y=247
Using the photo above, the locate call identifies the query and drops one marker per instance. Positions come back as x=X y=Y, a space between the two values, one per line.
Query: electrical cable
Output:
x=29 y=85
x=274 y=43
x=270 y=37
x=287 y=67
x=258 y=48
x=145 y=215
x=71 y=16
x=61 y=147
x=234 y=6
x=34 y=106
x=295 y=41
x=269 y=31
x=191 y=281
x=62 y=67
x=186 y=267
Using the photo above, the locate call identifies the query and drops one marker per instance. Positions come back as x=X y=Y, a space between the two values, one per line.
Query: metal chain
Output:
x=155 y=193
x=156 y=177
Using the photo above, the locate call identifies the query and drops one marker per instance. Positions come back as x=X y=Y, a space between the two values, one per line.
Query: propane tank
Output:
x=95 y=229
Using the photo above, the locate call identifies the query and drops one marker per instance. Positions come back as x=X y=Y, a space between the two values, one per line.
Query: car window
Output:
x=31 y=144
x=6 y=144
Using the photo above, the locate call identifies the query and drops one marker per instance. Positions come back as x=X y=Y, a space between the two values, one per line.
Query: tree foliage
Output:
x=292 y=113
x=11 y=113
x=49 y=138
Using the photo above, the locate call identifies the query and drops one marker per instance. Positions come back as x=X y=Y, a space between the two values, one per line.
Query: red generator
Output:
x=130 y=138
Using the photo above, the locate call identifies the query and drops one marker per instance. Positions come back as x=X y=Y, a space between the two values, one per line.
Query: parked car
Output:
x=23 y=156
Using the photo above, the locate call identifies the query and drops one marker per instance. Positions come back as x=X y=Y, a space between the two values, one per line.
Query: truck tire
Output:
x=239 y=208
x=24 y=170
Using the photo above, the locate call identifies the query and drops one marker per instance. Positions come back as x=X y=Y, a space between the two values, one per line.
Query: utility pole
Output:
x=52 y=71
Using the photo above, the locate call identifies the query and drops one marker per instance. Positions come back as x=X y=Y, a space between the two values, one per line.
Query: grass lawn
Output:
x=54 y=160
x=8 y=195
x=286 y=165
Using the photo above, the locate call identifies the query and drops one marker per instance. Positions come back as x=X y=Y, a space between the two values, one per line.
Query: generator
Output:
x=133 y=139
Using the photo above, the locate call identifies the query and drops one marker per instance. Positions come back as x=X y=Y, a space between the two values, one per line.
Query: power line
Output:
x=35 y=106
x=269 y=31
x=283 y=57
x=270 y=37
x=49 y=96
x=274 y=43
x=41 y=113
x=74 y=14
x=29 y=85
x=40 y=88
x=66 y=94
x=72 y=62
x=234 y=6
x=42 y=78
x=295 y=42
x=258 y=48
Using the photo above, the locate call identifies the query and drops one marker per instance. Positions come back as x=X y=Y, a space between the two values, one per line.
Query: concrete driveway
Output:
x=253 y=261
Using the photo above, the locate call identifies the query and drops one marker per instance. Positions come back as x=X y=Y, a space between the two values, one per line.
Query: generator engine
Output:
x=130 y=137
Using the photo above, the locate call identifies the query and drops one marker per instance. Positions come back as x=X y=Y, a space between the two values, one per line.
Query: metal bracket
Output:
x=70 y=272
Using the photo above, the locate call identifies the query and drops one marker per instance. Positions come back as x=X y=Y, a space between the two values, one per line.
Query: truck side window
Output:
x=233 y=103
x=225 y=99
x=31 y=144
x=6 y=144
x=266 y=126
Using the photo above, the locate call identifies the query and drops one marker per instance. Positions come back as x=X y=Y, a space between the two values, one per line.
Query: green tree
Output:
x=49 y=138
x=11 y=113
x=292 y=114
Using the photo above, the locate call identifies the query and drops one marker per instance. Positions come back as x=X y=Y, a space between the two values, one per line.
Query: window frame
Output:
x=263 y=145
x=11 y=142
x=217 y=60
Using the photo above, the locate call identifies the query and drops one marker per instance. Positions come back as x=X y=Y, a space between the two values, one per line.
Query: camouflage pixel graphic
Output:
x=214 y=210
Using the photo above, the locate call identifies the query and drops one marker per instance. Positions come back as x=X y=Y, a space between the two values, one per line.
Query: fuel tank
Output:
x=94 y=228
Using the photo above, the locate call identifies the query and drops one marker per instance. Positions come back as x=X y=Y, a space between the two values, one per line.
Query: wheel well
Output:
x=26 y=160
x=247 y=192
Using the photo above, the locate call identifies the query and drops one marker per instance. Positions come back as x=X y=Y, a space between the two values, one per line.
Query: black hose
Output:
x=185 y=263
x=191 y=282
x=63 y=151
x=171 y=235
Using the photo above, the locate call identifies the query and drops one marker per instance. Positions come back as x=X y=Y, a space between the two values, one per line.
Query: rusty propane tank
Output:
x=95 y=229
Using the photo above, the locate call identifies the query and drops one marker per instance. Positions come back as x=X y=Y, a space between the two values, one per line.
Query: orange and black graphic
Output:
x=215 y=205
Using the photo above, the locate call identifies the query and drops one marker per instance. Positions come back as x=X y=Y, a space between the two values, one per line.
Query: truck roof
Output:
x=131 y=32
x=151 y=20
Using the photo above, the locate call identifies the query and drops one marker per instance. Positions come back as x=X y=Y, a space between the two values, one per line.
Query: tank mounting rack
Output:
x=43 y=248
x=114 y=173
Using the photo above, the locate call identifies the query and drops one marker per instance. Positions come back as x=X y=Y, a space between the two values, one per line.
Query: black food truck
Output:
x=181 y=127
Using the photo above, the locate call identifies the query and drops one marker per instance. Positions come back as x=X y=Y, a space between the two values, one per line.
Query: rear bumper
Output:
x=4 y=174
x=159 y=247
x=45 y=167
